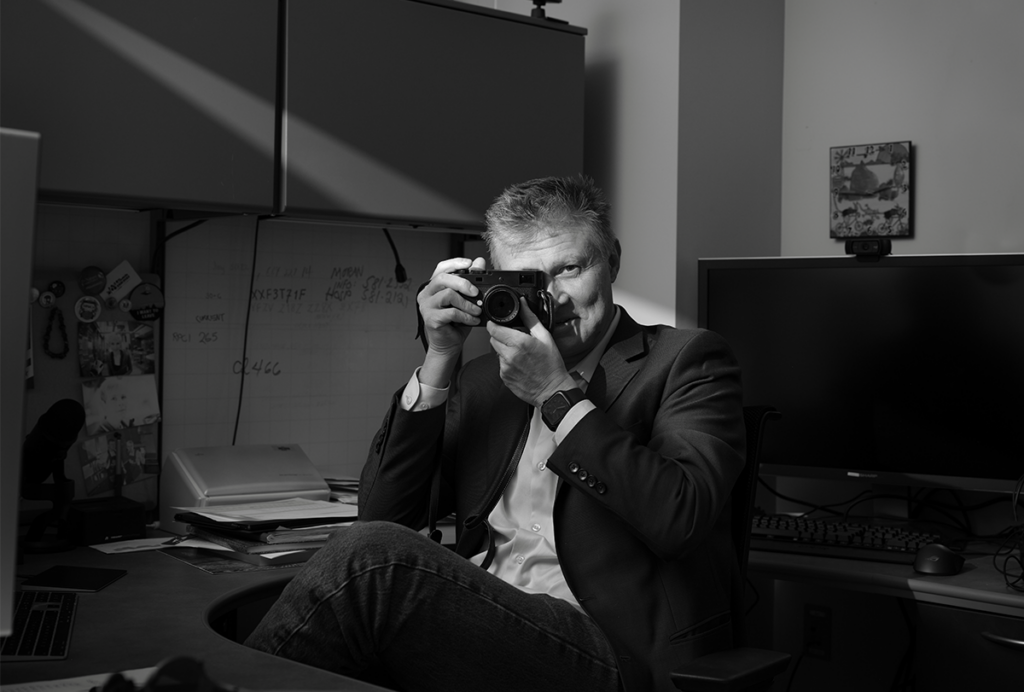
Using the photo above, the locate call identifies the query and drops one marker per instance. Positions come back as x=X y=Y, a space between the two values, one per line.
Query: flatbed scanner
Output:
x=209 y=476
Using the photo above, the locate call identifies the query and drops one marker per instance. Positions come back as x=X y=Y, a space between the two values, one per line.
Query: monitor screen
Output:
x=18 y=177
x=904 y=371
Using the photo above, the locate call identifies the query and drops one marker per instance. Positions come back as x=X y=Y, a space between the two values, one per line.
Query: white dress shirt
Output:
x=522 y=520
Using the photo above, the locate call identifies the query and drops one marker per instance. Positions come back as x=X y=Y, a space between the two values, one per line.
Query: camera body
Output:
x=500 y=292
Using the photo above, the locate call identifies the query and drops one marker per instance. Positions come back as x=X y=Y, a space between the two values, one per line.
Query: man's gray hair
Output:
x=522 y=211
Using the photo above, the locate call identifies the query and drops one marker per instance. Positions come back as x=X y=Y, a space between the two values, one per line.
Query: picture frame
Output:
x=870 y=191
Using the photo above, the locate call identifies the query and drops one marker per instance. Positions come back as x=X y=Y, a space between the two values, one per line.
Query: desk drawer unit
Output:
x=967 y=650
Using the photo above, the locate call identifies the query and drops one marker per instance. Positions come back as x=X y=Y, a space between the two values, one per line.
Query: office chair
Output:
x=743 y=668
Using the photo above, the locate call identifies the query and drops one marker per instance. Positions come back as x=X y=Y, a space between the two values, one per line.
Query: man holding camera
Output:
x=587 y=460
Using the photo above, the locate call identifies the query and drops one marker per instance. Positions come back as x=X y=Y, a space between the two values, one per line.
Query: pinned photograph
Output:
x=119 y=402
x=113 y=460
x=115 y=348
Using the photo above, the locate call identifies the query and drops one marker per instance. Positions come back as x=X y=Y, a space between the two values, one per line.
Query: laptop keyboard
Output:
x=41 y=629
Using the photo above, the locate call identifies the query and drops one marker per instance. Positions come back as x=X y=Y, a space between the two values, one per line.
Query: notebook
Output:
x=69 y=578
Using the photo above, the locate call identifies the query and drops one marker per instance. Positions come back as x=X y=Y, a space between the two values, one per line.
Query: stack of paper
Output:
x=344 y=489
x=273 y=532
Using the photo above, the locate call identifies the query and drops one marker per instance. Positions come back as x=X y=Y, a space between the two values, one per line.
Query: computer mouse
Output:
x=938 y=560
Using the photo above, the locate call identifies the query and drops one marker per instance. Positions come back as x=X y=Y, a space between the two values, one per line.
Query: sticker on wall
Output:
x=147 y=303
x=88 y=309
x=92 y=281
x=121 y=280
x=870 y=191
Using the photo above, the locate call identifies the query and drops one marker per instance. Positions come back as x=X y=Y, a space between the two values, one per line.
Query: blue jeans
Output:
x=381 y=599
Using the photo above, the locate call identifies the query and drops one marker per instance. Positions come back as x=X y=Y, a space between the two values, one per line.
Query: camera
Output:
x=869 y=250
x=500 y=292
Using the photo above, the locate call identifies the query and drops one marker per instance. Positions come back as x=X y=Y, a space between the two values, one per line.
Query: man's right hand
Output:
x=447 y=312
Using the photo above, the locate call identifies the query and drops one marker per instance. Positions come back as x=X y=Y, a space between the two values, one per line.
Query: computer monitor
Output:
x=19 y=156
x=904 y=371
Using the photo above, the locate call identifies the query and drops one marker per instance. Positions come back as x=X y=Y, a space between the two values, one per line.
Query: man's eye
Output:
x=570 y=270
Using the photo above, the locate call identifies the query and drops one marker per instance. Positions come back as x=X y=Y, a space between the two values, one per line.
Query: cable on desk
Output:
x=157 y=259
x=813 y=507
x=1011 y=550
x=245 y=333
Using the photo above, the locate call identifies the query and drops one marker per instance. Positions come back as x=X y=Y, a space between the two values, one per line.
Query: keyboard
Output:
x=873 y=542
x=42 y=625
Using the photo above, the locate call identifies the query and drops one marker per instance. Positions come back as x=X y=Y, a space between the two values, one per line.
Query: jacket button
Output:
x=601 y=488
x=574 y=467
x=582 y=475
x=592 y=481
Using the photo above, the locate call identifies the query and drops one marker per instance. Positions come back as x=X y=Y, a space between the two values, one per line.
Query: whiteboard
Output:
x=330 y=335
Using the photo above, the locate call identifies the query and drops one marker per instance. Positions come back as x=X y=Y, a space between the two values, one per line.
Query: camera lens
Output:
x=501 y=304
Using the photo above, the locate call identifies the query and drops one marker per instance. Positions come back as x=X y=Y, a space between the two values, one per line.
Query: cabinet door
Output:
x=967 y=650
x=167 y=103
x=424 y=112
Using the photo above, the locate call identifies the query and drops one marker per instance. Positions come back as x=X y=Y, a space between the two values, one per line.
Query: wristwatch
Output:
x=555 y=408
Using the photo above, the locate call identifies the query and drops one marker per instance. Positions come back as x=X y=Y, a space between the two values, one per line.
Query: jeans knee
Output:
x=373 y=540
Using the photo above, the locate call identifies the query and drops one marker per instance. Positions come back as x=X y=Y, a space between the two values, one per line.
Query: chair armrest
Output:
x=731 y=670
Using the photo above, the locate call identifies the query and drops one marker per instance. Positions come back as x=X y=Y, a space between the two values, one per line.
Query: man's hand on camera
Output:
x=531 y=365
x=448 y=317
x=447 y=312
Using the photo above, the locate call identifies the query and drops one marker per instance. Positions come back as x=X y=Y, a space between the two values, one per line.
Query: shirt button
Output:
x=408 y=400
x=535 y=527
x=520 y=559
x=542 y=465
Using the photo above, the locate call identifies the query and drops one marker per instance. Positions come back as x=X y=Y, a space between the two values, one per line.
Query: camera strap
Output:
x=421 y=333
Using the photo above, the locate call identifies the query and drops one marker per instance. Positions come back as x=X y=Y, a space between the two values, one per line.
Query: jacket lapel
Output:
x=619 y=364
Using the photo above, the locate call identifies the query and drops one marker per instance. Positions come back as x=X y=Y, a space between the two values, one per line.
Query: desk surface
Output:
x=978 y=586
x=159 y=610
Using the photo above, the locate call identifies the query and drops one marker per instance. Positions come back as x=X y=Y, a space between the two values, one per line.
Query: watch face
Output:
x=555 y=408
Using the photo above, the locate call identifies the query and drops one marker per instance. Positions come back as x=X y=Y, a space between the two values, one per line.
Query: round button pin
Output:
x=88 y=309
x=56 y=288
x=92 y=281
x=147 y=303
x=47 y=298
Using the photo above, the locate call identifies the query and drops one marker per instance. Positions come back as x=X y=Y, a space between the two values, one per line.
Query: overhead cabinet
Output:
x=425 y=110
x=140 y=104
x=417 y=111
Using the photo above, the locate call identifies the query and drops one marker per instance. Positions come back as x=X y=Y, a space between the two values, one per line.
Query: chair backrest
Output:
x=743 y=493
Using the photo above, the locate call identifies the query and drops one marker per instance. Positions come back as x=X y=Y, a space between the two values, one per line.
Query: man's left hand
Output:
x=531 y=365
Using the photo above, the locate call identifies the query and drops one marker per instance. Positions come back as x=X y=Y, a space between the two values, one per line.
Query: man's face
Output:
x=579 y=279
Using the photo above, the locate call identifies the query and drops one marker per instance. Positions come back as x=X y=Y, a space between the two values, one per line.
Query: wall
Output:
x=630 y=143
x=730 y=125
x=944 y=74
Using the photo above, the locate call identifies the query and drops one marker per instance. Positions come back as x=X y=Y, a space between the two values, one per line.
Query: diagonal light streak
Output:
x=348 y=178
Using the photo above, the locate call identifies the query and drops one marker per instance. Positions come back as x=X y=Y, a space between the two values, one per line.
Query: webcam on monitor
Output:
x=869 y=250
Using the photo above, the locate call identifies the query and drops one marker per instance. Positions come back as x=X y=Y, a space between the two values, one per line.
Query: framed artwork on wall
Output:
x=870 y=191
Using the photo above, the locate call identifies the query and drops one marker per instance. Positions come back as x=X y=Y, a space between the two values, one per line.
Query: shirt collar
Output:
x=588 y=366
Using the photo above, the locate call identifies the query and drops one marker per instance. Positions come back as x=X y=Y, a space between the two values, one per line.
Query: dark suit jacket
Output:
x=641 y=515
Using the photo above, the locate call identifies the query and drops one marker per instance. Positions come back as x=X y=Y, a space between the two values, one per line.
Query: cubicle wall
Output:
x=313 y=351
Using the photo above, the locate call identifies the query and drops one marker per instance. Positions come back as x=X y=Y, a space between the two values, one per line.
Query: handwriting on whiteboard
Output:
x=312 y=299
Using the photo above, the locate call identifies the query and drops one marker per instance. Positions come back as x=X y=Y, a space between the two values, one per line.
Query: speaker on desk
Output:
x=106 y=520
